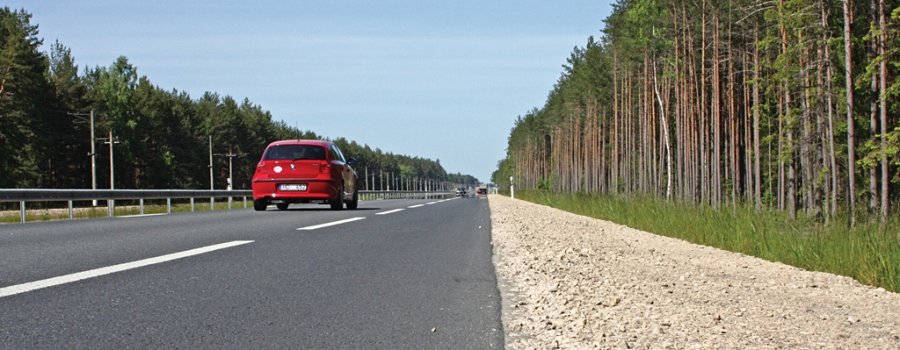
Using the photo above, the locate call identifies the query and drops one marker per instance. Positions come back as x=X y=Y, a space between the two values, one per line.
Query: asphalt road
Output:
x=416 y=278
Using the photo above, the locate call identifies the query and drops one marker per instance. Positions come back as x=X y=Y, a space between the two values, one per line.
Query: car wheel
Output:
x=353 y=203
x=260 y=204
x=282 y=206
x=338 y=203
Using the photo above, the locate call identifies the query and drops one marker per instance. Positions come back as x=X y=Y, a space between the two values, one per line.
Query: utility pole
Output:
x=211 y=185
x=112 y=165
x=230 y=156
x=93 y=154
x=230 y=178
x=230 y=181
x=93 y=157
x=111 y=204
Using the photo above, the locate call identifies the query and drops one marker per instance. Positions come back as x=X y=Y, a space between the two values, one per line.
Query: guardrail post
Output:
x=229 y=202
x=245 y=202
x=141 y=201
x=22 y=210
x=109 y=207
x=168 y=205
x=212 y=203
x=192 y=204
x=71 y=210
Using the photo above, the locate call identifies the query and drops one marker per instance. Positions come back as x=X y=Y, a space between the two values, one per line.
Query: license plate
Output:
x=292 y=187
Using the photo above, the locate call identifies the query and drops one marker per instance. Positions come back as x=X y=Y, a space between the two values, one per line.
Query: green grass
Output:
x=870 y=253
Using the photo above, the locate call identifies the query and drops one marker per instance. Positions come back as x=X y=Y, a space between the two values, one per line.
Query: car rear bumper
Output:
x=316 y=189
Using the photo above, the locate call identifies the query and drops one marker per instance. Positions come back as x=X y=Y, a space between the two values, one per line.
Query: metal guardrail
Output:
x=375 y=195
x=22 y=196
x=50 y=195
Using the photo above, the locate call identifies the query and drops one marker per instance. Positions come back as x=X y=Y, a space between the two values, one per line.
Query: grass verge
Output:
x=870 y=253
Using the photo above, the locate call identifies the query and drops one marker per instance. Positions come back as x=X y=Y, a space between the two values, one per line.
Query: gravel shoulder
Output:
x=570 y=281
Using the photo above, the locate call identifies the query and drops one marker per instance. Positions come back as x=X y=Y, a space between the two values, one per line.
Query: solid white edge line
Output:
x=430 y=203
x=416 y=206
x=78 y=276
x=389 y=211
x=314 y=227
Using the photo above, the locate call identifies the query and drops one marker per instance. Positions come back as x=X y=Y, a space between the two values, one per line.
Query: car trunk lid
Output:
x=299 y=169
x=295 y=162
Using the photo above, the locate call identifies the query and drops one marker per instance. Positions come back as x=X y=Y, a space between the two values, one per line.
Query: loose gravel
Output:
x=573 y=282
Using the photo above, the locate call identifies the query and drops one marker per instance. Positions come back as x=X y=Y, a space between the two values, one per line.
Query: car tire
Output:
x=354 y=203
x=282 y=206
x=338 y=203
x=260 y=204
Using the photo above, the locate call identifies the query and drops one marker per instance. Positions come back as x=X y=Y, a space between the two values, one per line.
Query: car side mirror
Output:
x=351 y=161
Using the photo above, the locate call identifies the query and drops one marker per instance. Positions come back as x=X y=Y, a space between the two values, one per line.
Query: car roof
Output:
x=322 y=143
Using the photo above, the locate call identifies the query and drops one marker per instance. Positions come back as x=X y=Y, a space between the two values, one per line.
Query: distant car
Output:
x=461 y=192
x=481 y=191
x=304 y=171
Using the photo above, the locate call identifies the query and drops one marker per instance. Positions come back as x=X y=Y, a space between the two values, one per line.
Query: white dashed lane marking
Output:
x=334 y=223
x=55 y=281
x=389 y=212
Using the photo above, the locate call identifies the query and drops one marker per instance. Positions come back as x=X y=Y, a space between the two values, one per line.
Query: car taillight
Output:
x=325 y=167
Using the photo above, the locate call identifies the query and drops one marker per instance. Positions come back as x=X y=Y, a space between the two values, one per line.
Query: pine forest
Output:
x=162 y=138
x=785 y=105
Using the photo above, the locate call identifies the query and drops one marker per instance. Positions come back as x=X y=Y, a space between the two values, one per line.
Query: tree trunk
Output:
x=823 y=157
x=791 y=196
x=733 y=174
x=614 y=142
x=873 y=111
x=851 y=143
x=806 y=159
x=665 y=126
x=885 y=167
x=716 y=118
x=757 y=177
x=830 y=117
x=704 y=130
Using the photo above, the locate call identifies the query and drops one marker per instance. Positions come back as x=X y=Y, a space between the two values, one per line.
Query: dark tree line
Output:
x=162 y=136
x=785 y=104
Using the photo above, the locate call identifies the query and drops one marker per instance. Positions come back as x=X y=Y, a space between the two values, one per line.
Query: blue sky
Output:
x=437 y=79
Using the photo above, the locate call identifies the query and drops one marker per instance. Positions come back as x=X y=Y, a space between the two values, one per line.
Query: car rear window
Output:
x=294 y=152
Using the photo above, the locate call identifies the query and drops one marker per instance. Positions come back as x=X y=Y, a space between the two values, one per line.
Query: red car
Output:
x=304 y=171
